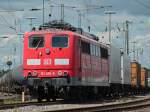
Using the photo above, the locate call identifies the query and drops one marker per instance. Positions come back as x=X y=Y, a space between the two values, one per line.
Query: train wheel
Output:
x=50 y=93
x=53 y=99
x=48 y=99
x=41 y=93
x=39 y=99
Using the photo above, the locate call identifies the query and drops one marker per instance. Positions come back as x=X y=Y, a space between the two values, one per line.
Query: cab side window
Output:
x=104 y=53
x=85 y=47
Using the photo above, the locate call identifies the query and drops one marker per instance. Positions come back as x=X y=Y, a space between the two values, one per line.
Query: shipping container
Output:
x=148 y=70
x=135 y=74
x=144 y=77
x=115 y=65
x=125 y=69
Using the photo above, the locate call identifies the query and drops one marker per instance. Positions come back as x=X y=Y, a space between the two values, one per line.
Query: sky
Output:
x=14 y=14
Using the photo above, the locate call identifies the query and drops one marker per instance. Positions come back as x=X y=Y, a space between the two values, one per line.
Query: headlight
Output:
x=60 y=73
x=34 y=73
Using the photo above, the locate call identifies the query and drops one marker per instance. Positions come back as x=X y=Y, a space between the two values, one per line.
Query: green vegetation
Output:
x=2 y=72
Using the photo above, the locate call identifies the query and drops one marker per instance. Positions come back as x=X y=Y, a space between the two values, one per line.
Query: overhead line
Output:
x=5 y=20
x=141 y=3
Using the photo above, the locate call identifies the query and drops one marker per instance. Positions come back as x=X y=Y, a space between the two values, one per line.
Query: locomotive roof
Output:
x=59 y=31
x=92 y=40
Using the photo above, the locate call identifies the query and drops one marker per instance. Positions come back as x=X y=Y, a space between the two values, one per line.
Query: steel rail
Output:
x=15 y=105
x=138 y=103
x=130 y=105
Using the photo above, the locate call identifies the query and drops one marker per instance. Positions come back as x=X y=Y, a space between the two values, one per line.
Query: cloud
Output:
x=125 y=10
x=131 y=6
x=11 y=49
x=13 y=39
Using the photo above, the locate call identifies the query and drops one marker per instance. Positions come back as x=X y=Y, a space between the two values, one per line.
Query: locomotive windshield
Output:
x=36 y=42
x=60 y=41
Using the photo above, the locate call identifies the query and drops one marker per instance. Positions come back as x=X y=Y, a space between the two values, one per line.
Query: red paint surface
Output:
x=80 y=65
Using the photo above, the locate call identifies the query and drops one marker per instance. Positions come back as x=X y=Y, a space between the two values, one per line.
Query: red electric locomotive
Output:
x=66 y=63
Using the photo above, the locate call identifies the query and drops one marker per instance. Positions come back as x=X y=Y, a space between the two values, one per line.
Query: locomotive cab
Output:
x=48 y=55
x=48 y=61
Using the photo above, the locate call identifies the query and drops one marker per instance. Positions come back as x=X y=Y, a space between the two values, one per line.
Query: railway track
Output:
x=61 y=106
x=16 y=105
x=116 y=107
x=112 y=108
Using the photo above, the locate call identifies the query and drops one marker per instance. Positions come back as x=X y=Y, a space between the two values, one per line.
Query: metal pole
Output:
x=124 y=33
x=62 y=13
x=137 y=55
x=109 y=13
x=79 y=20
x=43 y=12
x=14 y=54
x=134 y=50
x=20 y=45
x=110 y=27
x=31 y=23
x=31 y=18
x=23 y=94
x=127 y=37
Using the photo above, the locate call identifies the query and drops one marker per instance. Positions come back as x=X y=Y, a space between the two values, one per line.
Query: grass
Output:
x=15 y=100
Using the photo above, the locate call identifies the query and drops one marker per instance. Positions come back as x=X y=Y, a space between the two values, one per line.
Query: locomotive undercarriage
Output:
x=50 y=89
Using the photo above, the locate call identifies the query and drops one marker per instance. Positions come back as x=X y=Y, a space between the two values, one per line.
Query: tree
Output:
x=9 y=63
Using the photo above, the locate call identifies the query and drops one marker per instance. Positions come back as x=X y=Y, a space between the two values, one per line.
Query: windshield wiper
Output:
x=38 y=44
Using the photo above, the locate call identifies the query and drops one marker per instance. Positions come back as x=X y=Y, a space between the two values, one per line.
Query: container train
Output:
x=12 y=81
x=62 y=61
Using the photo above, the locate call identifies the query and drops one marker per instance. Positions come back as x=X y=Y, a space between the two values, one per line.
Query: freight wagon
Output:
x=13 y=80
x=148 y=77
x=135 y=74
x=144 y=77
